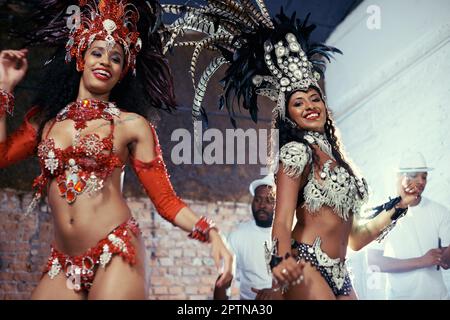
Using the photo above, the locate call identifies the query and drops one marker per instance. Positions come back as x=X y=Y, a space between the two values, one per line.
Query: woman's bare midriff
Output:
x=80 y=225
x=327 y=225
x=334 y=233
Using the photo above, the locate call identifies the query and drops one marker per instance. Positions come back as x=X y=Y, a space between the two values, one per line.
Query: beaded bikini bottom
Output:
x=80 y=270
x=334 y=271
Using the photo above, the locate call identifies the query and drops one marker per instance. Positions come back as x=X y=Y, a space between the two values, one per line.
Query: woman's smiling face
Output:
x=308 y=110
x=102 y=67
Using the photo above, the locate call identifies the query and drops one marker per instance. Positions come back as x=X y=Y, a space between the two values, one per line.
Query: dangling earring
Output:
x=327 y=127
x=290 y=122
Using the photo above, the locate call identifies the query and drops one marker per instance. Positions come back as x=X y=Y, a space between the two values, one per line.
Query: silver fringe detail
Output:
x=33 y=204
x=269 y=252
x=335 y=267
x=321 y=141
x=389 y=227
x=337 y=189
x=281 y=104
x=294 y=156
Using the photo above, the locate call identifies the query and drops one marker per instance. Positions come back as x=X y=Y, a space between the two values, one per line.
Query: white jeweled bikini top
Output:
x=336 y=188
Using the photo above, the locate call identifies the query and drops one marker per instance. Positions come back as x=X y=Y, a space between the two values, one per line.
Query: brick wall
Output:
x=178 y=268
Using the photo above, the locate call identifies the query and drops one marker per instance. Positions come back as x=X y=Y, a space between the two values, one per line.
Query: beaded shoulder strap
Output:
x=295 y=156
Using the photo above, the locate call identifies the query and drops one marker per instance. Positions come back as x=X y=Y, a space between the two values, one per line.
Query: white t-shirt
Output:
x=247 y=243
x=416 y=233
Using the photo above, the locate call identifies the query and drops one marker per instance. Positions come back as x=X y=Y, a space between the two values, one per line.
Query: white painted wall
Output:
x=390 y=92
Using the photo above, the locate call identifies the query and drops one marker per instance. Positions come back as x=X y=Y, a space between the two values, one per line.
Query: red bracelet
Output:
x=6 y=103
x=201 y=229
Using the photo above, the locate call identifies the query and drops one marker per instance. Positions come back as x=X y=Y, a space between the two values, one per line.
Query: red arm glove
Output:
x=155 y=180
x=21 y=144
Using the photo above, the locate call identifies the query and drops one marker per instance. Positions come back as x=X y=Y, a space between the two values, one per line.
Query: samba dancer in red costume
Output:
x=83 y=141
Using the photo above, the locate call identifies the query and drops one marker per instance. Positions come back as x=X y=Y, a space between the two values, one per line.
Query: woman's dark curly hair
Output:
x=287 y=133
x=149 y=90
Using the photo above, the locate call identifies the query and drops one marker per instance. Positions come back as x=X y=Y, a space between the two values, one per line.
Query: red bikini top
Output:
x=89 y=161
x=84 y=165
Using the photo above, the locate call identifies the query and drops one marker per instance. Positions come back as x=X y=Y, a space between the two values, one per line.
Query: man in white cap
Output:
x=418 y=247
x=247 y=243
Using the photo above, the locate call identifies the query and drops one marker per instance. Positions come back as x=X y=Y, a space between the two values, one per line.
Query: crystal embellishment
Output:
x=55 y=269
x=105 y=257
x=51 y=163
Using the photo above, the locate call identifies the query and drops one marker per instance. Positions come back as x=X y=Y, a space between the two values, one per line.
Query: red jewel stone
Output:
x=71 y=195
x=88 y=263
x=62 y=188
x=79 y=186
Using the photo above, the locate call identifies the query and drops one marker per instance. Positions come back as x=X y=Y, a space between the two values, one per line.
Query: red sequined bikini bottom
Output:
x=80 y=270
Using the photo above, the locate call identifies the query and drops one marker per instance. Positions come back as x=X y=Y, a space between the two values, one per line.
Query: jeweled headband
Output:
x=114 y=21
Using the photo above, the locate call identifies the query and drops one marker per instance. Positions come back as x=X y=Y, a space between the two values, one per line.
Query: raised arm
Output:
x=364 y=233
x=20 y=144
x=147 y=161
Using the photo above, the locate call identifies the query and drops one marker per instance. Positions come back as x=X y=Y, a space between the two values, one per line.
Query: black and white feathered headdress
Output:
x=265 y=56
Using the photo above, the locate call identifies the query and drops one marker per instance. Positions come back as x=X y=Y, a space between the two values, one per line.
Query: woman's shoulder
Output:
x=137 y=127
x=132 y=121
x=295 y=156
x=295 y=149
x=133 y=117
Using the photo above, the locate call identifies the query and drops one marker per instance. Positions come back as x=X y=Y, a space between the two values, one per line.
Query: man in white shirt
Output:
x=418 y=246
x=247 y=243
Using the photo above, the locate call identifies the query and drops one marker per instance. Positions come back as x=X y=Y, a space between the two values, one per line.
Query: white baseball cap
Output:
x=266 y=181
x=413 y=162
